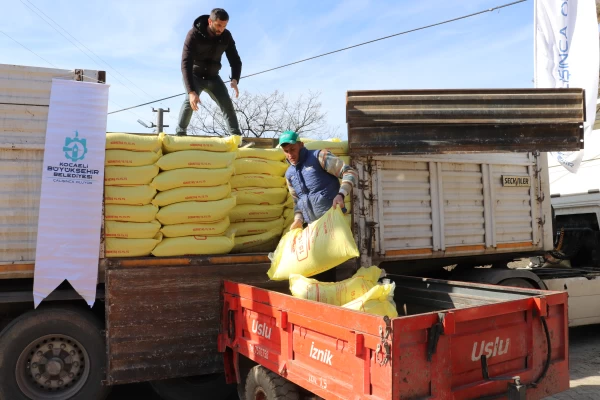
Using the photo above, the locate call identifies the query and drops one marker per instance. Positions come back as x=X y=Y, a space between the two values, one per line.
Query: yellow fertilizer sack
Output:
x=215 y=229
x=322 y=245
x=260 y=196
x=252 y=212
x=379 y=300
x=131 y=230
x=130 y=247
x=289 y=201
x=257 y=180
x=129 y=176
x=128 y=158
x=191 y=177
x=194 y=245
x=196 y=159
x=117 y=212
x=179 y=195
x=336 y=146
x=335 y=293
x=266 y=154
x=263 y=242
x=259 y=166
x=128 y=141
x=129 y=195
x=179 y=143
x=195 y=212
x=256 y=228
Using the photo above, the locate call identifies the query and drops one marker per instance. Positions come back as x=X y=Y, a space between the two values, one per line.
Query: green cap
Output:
x=286 y=137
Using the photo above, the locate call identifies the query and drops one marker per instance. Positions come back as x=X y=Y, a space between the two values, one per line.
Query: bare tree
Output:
x=266 y=116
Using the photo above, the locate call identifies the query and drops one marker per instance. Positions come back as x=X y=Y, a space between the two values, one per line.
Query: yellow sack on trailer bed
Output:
x=179 y=195
x=129 y=195
x=130 y=247
x=127 y=158
x=335 y=293
x=129 y=176
x=180 y=143
x=196 y=159
x=322 y=245
x=129 y=141
x=191 y=177
x=195 y=212
x=131 y=230
x=379 y=300
x=194 y=245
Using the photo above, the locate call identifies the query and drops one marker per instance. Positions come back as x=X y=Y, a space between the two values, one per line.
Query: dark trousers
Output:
x=217 y=90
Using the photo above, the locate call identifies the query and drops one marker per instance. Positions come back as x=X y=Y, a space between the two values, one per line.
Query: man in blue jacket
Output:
x=313 y=179
x=200 y=65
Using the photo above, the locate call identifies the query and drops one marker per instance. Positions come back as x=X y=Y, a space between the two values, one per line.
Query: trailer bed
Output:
x=434 y=349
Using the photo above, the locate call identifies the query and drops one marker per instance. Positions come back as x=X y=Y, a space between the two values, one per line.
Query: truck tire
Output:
x=518 y=282
x=211 y=386
x=53 y=353
x=262 y=384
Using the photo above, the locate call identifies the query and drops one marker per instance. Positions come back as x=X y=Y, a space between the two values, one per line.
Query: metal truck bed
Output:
x=453 y=340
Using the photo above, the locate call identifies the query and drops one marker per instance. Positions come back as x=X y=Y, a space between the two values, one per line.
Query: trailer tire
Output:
x=32 y=367
x=262 y=384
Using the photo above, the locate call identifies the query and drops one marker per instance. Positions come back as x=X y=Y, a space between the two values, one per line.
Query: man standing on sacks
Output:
x=313 y=179
x=203 y=48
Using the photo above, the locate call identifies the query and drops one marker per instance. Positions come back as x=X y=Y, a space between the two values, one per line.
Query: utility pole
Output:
x=159 y=119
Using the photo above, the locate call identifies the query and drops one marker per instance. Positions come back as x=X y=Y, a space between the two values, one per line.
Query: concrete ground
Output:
x=584 y=367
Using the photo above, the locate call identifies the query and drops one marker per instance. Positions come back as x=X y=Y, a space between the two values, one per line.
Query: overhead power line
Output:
x=346 y=48
x=73 y=43
x=88 y=49
x=28 y=49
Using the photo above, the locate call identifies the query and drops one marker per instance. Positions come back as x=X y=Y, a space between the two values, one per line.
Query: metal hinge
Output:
x=383 y=353
x=433 y=336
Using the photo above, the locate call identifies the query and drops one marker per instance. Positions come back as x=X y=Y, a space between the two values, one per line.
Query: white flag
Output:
x=70 y=218
x=567 y=56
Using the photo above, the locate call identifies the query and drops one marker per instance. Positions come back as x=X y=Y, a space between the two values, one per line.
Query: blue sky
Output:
x=142 y=40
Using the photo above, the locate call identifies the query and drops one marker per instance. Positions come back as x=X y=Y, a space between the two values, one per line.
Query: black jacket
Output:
x=202 y=53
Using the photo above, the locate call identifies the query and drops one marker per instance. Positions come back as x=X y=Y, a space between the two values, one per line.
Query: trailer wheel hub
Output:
x=52 y=367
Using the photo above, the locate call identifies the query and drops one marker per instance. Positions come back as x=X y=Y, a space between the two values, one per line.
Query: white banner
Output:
x=68 y=241
x=566 y=56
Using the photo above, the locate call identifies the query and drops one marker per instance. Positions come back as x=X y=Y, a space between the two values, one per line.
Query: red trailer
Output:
x=452 y=340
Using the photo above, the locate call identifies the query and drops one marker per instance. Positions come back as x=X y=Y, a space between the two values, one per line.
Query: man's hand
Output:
x=338 y=201
x=194 y=100
x=235 y=88
x=296 y=224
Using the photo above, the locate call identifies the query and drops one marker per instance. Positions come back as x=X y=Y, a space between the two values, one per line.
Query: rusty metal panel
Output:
x=24 y=100
x=462 y=121
x=163 y=314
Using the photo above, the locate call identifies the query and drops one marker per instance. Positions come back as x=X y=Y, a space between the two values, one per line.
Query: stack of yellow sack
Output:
x=338 y=148
x=195 y=195
x=130 y=225
x=260 y=191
